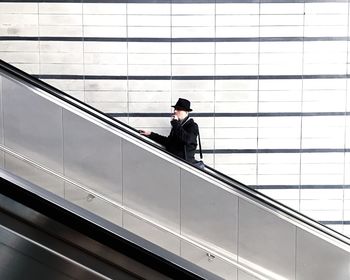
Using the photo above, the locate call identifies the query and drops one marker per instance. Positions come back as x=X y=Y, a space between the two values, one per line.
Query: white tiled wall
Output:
x=285 y=131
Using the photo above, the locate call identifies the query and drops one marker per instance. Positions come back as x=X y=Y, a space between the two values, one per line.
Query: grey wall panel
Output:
x=266 y=240
x=199 y=257
x=92 y=156
x=151 y=185
x=208 y=212
x=151 y=233
x=317 y=259
x=34 y=175
x=93 y=204
x=32 y=125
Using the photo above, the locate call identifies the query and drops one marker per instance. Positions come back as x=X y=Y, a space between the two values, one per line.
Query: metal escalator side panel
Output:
x=79 y=235
x=92 y=155
x=225 y=227
x=32 y=124
x=1 y=125
x=107 y=122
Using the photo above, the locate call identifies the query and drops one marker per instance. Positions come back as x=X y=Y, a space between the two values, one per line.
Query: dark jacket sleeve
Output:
x=160 y=139
x=185 y=136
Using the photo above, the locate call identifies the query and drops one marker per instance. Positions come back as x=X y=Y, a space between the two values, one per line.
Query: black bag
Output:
x=199 y=163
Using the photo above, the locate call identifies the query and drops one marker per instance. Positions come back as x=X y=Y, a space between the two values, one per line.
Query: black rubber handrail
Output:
x=281 y=207
x=19 y=74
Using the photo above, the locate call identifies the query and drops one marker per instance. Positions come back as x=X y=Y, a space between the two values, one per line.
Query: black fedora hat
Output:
x=183 y=104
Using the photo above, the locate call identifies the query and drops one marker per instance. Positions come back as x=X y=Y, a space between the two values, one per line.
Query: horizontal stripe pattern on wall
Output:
x=246 y=77
x=236 y=115
x=267 y=80
x=177 y=1
x=297 y=187
x=273 y=151
x=335 y=222
x=172 y=40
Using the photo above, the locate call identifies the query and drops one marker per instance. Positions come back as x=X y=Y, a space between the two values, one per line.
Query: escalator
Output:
x=202 y=221
x=43 y=236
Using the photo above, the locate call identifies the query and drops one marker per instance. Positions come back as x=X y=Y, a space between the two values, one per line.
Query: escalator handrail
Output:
x=258 y=196
x=284 y=208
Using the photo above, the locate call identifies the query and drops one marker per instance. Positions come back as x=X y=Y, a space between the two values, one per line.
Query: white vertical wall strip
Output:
x=301 y=118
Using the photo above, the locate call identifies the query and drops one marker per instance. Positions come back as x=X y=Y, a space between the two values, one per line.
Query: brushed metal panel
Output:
x=93 y=204
x=86 y=252
x=38 y=256
x=151 y=185
x=16 y=265
x=32 y=125
x=317 y=259
x=2 y=159
x=245 y=276
x=266 y=241
x=199 y=257
x=92 y=156
x=34 y=175
x=208 y=213
x=152 y=233
x=1 y=115
x=1 y=127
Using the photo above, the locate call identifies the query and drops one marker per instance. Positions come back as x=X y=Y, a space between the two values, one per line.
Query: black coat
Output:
x=182 y=140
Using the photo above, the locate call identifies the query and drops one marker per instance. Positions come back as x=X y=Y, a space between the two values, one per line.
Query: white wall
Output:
x=268 y=81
